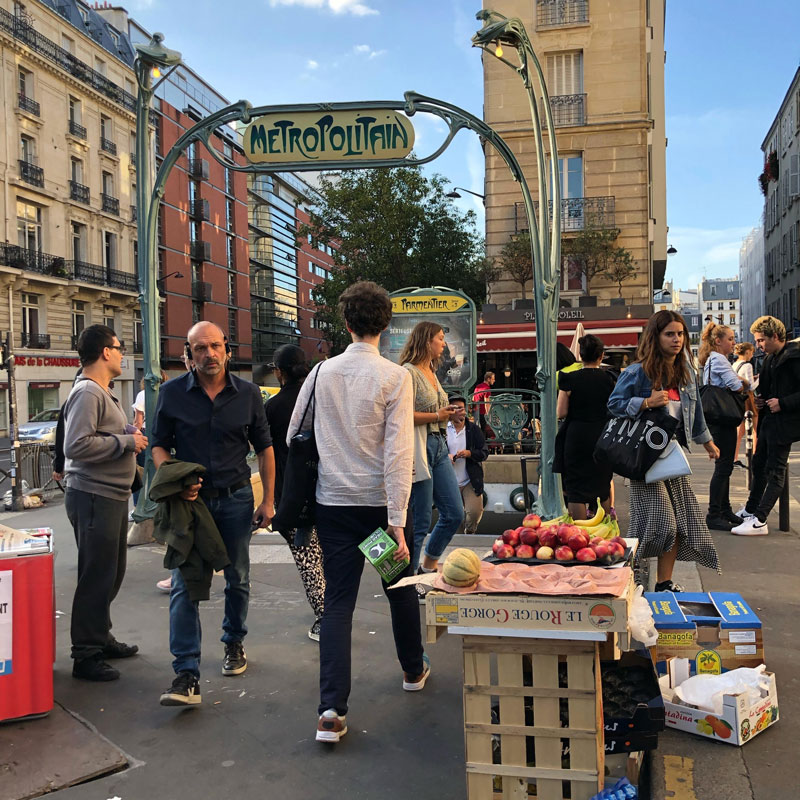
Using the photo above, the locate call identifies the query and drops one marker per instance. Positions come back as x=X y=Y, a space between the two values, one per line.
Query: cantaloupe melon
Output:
x=461 y=568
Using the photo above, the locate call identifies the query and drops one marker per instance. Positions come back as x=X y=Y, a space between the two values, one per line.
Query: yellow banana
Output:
x=555 y=520
x=595 y=520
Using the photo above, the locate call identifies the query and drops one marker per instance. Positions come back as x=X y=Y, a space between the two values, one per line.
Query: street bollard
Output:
x=783 y=506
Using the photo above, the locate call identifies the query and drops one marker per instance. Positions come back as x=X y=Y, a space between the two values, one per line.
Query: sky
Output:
x=729 y=65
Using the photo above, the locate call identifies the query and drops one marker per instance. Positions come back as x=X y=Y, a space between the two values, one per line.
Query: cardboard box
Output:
x=378 y=549
x=740 y=720
x=529 y=611
x=716 y=631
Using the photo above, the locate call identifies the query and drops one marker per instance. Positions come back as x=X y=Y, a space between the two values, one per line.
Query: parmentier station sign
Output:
x=308 y=136
x=421 y=304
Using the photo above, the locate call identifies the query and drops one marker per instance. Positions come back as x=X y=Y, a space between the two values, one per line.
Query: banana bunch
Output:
x=556 y=521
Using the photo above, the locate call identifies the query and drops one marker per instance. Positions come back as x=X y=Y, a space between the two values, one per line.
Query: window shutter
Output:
x=794 y=175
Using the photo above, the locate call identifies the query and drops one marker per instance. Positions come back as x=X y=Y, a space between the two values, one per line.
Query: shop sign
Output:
x=46 y=361
x=44 y=384
x=6 y=621
x=422 y=304
x=310 y=136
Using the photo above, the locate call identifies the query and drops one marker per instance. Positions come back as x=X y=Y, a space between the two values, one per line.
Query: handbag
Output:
x=298 y=503
x=721 y=406
x=672 y=463
x=631 y=445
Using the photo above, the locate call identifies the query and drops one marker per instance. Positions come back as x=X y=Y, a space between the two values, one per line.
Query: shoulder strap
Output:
x=311 y=402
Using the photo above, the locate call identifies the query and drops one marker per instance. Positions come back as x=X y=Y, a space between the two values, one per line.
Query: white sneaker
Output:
x=752 y=526
x=744 y=513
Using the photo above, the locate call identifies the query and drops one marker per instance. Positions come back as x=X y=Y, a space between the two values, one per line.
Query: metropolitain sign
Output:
x=309 y=136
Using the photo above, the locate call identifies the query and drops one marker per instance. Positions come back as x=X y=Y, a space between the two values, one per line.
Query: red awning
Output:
x=510 y=338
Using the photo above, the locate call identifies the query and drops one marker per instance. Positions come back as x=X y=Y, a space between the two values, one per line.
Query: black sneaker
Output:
x=94 y=669
x=668 y=586
x=115 y=649
x=719 y=523
x=732 y=518
x=185 y=691
x=313 y=631
x=739 y=463
x=235 y=662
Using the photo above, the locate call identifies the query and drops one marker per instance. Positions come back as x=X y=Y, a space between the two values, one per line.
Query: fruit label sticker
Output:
x=6 y=618
x=709 y=663
x=602 y=616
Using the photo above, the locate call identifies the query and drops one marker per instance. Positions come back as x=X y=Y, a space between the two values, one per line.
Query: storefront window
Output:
x=41 y=397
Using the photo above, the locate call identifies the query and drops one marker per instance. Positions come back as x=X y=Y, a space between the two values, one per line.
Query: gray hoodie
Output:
x=100 y=455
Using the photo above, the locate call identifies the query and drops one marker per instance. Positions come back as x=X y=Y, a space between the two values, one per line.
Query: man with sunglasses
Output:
x=100 y=449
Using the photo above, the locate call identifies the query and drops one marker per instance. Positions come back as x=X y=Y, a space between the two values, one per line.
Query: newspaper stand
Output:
x=27 y=632
x=533 y=716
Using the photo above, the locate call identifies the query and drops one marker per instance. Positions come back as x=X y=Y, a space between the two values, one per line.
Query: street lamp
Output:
x=671 y=251
x=456 y=196
x=160 y=281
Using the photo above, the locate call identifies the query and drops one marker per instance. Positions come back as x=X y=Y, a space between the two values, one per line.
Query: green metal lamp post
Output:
x=499 y=30
x=151 y=59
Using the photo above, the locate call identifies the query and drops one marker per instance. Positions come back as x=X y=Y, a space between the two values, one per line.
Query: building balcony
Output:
x=25 y=103
x=79 y=193
x=577 y=213
x=108 y=146
x=133 y=159
x=76 y=129
x=38 y=341
x=200 y=250
x=31 y=174
x=110 y=204
x=138 y=346
x=33 y=260
x=552 y=13
x=568 y=109
x=102 y=276
x=198 y=169
x=134 y=213
x=199 y=209
x=201 y=291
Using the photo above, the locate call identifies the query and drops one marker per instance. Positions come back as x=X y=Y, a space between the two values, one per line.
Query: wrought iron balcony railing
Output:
x=134 y=213
x=40 y=341
x=108 y=146
x=568 y=109
x=577 y=213
x=138 y=346
x=110 y=204
x=30 y=173
x=133 y=159
x=33 y=260
x=79 y=193
x=201 y=291
x=29 y=104
x=550 y=13
x=76 y=129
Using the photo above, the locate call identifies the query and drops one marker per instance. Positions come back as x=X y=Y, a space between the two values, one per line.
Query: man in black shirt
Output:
x=211 y=417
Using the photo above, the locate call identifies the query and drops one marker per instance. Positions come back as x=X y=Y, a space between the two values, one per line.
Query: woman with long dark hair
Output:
x=291 y=369
x=716 y=344
x=434 y=477
x=665 y=515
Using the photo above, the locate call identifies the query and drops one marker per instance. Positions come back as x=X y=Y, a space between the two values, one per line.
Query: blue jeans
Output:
x=233 y=516
x=441 y=490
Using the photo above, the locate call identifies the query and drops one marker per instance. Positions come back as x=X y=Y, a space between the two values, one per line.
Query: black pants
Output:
x=769 y=470
x=719 y=490
x=100 y=525
x=340 y=530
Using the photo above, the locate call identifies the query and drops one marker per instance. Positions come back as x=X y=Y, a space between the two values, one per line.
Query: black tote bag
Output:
x=631 y=445
x=298 y=503
x=722 y=406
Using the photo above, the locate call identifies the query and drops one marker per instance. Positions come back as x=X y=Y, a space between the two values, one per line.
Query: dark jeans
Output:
x=101 y=527
x=233 y=516
x=340 y=530
x=769 y=470
x=719 y=490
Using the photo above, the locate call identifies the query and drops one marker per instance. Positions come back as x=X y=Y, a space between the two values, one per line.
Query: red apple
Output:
x=524 y=551
x=564 y=532
x=498 y=543
x=564 y=553
x=505 y=551
x=548 y=538
x=532 y=521
x=617 y=550
x=578 y=541
x=530 y=537
x=544 y=553
x=586 y=554
x=511 y=537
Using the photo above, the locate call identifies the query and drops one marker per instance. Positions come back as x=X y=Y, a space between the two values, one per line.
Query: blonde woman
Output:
x=436 y=485
x=716 y=345
x=744 y=369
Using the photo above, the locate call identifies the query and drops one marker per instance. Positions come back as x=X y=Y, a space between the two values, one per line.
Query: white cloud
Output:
x=311 y=64
x=366 y=50
x=336 y=6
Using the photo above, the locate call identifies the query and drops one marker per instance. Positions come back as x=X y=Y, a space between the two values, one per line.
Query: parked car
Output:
x=41 y=428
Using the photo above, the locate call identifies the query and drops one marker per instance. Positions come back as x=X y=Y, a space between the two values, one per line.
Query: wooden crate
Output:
x=546 y=737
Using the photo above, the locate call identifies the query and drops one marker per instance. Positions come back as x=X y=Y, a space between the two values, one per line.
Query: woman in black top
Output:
x=582 y=404
x=291 y=369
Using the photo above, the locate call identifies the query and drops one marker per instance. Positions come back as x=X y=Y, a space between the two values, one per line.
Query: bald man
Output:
x=211 y=417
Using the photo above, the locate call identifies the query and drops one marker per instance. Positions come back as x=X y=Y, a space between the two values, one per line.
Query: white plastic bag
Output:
x=706 y=691
x=640 y=620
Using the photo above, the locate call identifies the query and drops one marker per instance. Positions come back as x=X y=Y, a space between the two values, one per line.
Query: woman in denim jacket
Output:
x=665 y=515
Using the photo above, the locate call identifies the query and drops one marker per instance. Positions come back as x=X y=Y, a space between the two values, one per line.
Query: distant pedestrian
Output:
x=481 y=395
x=778 y=403
x=210 y=417
x=716 y=344
x=665 y=515
x=467 y=448
x=435 y=481
x=363 y=423
x=744 y=369
x=291 y=369
x=100 y=449
x=582 y=405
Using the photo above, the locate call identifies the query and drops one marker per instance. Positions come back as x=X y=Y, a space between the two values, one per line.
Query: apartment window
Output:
x=109 y=250
x=227 y=149
x=100 y=66
x=732 y=305
x=75 y=110
x=19 y=10
x=108 y=184
x=732 y=318
x=565 y=73
x=720 y=306
x=572 y=278
x=29 y=226
x=231 y=288
x=84 y=14
x=25 y=82
x=194 y=231
x=78 y=241
x=157 y=136
x=228 y=180
x=570 y=176
x=114 y=36
x=76 y=170
x=129 y=87
x=196 y=274
x=137 y=331
x=105 y=127
x=197 y=312
x=27 y=149
x=78 y=317
x=713 y=291
x=230 y=243
x=709 y=306
x=229 y=214
x=109 y=316
x=68 y=43
x=232 y=332
x=30 y=314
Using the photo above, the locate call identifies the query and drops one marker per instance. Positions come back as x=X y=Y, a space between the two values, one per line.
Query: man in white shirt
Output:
x=363 y=425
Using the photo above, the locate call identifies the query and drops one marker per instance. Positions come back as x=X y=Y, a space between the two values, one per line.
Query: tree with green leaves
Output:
x=515 y=259
x=395 y=227
x=594 y=252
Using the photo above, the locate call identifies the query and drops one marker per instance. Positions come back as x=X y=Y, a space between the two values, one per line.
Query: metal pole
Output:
x=13 y=426
x=783 y=505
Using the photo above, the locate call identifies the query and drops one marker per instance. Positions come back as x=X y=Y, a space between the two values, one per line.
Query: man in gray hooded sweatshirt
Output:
x=100 y=449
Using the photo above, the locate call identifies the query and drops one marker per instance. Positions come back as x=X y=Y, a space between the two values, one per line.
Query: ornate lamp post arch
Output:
x=545 y=236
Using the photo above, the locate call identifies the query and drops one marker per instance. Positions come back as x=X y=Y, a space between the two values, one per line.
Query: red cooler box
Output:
x=27 y=626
